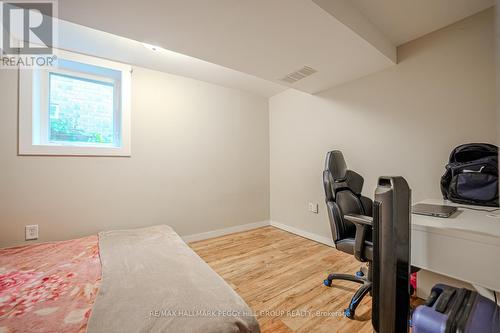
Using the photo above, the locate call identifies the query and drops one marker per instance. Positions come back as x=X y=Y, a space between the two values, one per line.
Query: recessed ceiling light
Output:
x=152 y=47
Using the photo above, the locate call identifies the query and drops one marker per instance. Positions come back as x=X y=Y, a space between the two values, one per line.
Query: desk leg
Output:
x=487 y=293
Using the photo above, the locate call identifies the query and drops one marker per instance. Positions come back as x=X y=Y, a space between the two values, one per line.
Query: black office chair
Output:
x=351 y=222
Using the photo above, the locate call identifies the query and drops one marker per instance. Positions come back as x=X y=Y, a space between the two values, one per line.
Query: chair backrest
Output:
x=343 y=195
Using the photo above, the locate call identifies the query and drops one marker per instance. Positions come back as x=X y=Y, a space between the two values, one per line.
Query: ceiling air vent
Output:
x=299 y=75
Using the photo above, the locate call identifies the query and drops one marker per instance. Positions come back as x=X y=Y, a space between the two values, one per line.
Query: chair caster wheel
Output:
x=348 y=313
x=327 y=283
x=360 y=274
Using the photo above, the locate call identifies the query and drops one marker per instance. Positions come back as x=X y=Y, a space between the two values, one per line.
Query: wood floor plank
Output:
x=280 y=276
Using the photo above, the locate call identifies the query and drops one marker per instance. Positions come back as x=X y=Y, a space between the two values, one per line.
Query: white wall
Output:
x=201 y=152
x=200 y=162
x=497 y=58
x=402 y=121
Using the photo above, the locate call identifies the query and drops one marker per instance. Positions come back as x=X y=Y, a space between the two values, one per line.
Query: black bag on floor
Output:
x=471 y=175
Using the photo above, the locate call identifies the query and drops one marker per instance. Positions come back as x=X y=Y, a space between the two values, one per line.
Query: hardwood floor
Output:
x=280 y=276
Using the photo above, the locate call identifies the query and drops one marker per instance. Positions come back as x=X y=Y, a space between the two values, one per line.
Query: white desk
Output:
x=465 y=246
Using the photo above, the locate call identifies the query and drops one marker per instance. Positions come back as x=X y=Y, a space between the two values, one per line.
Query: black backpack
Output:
x=471 y=175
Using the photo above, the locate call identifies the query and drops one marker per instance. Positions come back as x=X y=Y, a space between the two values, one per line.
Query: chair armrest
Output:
x=359 y=219
x=363 y=224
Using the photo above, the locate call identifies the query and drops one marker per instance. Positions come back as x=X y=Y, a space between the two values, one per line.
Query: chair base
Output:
x=360 y=293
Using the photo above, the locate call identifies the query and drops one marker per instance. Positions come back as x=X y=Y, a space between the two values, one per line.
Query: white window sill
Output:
x=73 y=150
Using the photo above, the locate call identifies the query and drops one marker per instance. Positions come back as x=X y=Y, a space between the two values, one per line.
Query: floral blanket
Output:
x=49 y=287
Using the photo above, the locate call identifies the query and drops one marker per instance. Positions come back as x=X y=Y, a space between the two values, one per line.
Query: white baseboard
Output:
x=225 y=231
x=249 y=226
x=303 y=233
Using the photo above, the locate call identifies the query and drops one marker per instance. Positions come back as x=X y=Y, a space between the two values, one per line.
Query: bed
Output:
x=140 y=280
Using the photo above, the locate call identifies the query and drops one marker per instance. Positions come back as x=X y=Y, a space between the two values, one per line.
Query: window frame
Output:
x=34 y=112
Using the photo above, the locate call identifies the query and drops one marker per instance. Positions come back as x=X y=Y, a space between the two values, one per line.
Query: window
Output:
x=80 y=110
x=79 y=107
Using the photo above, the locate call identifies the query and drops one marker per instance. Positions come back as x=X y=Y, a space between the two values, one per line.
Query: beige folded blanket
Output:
x=153 y=282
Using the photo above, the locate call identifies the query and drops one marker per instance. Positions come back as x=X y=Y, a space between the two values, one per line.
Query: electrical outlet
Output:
x=31 y=232
x=313 y=207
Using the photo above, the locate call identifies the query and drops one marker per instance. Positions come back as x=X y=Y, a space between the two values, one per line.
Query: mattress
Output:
x=49 y=287
x=140 y=280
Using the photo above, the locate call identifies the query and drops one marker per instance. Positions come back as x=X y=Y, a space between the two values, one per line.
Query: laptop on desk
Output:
x=433 y=210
